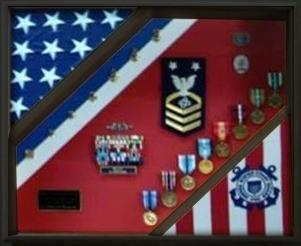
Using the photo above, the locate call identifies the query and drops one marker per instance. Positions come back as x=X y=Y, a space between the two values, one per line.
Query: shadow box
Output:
x=150 y=122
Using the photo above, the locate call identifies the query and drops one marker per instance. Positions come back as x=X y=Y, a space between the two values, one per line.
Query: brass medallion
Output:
x=187 y=183
x=169 y=199
x=240 y=132
x=257 y=117
x=275 y=101
x=206 y=166
x=222 y=149
x=150 y=218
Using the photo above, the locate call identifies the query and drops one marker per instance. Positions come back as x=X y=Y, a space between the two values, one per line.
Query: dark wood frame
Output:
x=289 y=10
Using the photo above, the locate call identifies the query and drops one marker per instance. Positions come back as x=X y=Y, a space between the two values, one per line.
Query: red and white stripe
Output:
x=215 y=213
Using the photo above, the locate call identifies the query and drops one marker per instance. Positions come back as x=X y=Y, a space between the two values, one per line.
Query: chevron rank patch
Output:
x=183 y=93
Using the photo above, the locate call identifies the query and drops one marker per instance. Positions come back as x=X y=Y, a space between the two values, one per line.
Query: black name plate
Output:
x=59 y=200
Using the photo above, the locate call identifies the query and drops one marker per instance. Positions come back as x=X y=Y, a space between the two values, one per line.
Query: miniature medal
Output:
x=205 y=151
x=187 y=164
x=169 y=197
x=275 y=81
x=257 y=98
x=150 y=202
x=240 y=131
x=221 y=130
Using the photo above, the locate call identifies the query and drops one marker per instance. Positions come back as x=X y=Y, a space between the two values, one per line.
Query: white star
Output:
x=52 y=48
x=17 y=107
x=25 y=23
x=21 y=77
x=83 y=20
x=49 y=76
x=112 y=18
x=53 y=21
x=80 y=47
x=195 y=66
x=22 y=50
x=173 y=65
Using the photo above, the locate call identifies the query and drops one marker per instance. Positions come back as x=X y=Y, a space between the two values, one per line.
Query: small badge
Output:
x=205 y=151
x=241 y=39
x=221 y=131
x=240 y=131
x=275 y=81
x=254 y=187
x=241 y=64
x=150 y=203
x=169 y=197
x=187 y=165
x=183 y=93
x=257 y=98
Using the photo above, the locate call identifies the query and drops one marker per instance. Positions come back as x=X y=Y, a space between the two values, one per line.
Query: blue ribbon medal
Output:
x=205 y=151
x=187 y=165
x=169 y=197
x=150 y=203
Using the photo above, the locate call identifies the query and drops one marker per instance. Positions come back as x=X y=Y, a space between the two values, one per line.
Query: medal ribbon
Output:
x=240 y=112
x=168 y=180
x=186 y=163
x=205 y=147
x=275 y=80
x=221 y=130
x=150 y=199
x=258 y=97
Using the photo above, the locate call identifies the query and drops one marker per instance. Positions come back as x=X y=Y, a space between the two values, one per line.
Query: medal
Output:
x=240 y=131
x=241 y=39
x=241 y=64
x=221 y=130
x=169 y=198
x=186 y=164
x=257 y=98
x=275 y=81
x=205 y=151
x=150 y=202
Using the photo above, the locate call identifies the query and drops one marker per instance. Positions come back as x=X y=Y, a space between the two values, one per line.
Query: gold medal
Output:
x=240 y=132
x=275 y=101
x=206 y=166
x=222 y=149
x=150 y=218
x=187 y=183
x=169 y=199
x=257 y=117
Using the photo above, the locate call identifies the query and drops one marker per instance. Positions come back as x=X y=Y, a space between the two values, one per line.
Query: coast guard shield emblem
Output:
x=183 y=93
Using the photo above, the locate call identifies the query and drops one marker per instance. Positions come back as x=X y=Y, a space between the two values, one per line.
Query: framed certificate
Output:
x=150 y=122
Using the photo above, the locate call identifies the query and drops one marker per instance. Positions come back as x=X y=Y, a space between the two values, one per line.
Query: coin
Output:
x=150 y=218
x=257 y=117
x=187 y=183
x=275 y=101
x=169 y=199
x=206 y=166
x=222 y=150
x=240 y=132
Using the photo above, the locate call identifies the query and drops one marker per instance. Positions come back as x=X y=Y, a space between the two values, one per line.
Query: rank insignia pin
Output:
x=156 y=35
x=29 y=153
x=187 y=165
x=150 y=203
x=275 y=81
x=183 y=94
x=257 y=98
x=169 y=197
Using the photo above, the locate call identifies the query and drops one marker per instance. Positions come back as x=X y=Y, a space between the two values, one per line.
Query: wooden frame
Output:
x=289 y=10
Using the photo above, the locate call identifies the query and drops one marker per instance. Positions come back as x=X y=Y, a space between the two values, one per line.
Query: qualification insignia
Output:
x=183 y=93
x=187 y=164
x=205 y=151
x=119 y=154
x=241 y=39
x=275 y=81
x=169 y=197
x=150 y=203
x=241 y=64
x=257 y=98
x=240 y=131
x=221 y=130
x=254 y=187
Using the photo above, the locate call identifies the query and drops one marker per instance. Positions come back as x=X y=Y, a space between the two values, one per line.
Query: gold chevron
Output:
x=181 y=128
x=185 y=120
x=180 y=111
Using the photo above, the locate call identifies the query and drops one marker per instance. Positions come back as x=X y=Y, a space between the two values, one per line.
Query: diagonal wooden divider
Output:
x=221 y=173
